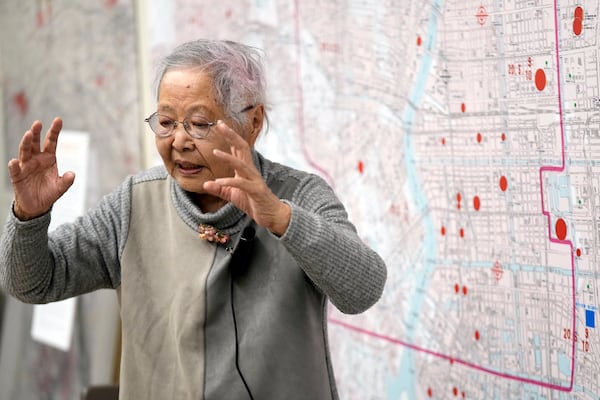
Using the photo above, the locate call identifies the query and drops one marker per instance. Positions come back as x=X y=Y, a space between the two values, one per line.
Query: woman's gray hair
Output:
x=236 y=70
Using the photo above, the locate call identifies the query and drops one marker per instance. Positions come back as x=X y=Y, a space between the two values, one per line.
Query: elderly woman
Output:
x=223 y=261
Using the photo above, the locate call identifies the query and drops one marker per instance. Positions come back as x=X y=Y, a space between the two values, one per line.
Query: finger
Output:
x=227 y=183
x=14 y=169
x=36 y=129
x=66 y=181
x=51 y=139
x=222 y=187
x=239 y=164
x=231 y=136
x=26 y=147
x=250 y=186
x=239 y=146
x=215 y=189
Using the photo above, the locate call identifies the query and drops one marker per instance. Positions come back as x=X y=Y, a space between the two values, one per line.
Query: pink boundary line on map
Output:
x=553 y=240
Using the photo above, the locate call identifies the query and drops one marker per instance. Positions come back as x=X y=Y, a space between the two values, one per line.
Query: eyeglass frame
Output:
x=185 y=123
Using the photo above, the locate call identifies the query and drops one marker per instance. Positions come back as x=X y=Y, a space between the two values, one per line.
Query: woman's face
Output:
x=184 y=93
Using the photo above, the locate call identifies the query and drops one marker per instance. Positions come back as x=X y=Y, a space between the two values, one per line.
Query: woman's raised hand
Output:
x=247 y=188
x=34 y=175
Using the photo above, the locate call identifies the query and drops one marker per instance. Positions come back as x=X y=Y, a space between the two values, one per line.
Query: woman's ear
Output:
x=257 y=118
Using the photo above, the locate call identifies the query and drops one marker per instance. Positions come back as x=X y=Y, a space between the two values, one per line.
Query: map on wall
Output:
x=464 y=138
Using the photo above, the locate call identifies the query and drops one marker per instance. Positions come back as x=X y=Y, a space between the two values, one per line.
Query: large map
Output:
x=464 y=138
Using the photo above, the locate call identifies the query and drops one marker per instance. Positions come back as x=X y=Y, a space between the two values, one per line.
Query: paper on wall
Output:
x=52 y=323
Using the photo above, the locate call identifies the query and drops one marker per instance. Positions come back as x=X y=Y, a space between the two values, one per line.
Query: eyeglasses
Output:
x=196 y=126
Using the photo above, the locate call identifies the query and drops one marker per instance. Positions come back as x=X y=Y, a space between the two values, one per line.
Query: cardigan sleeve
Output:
x=326 y=245
x=75 y=258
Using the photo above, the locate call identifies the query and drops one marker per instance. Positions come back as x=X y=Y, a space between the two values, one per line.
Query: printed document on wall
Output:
x=52 y=323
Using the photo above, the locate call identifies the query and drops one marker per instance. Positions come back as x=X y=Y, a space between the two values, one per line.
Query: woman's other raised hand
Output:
x=34 y=174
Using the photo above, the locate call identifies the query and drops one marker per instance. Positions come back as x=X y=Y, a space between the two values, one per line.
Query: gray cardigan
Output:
x=176 y=291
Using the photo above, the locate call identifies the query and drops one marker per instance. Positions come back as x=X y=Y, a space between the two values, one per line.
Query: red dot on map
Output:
x=461 y=232
x=477 y=336
x=458 y=197
x=39 y=20
x=479 y=137
x=443 y=230
x=443 y=141
x=21 y=102
x=419 y=40
x=503 y=136
x=476 y=203
x=578 y=13
x=462 y=394
x=561 y=229
x=361 y=167
x=463 y=107
x=503 y=183
x=456 y=287
x=540 y=79
x=464 y=290
x=429 y=392
x=578 y=252
x=455 y=391
x=577 y=26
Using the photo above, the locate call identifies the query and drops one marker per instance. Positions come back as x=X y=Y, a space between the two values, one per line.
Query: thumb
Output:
x=66 y=181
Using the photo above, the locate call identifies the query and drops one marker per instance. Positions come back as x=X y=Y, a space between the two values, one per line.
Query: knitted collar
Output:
x=228 y=219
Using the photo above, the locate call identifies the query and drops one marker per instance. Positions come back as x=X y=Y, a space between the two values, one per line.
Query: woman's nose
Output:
x=181 y=139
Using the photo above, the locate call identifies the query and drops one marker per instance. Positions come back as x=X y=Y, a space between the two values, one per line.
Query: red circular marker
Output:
x=578 y=252
x=455 y=391
x=476 y=203
x=456 y=287
x=429 y=392
x=461 y=232
x=561 y=229
x=443 y=141
x=578 y=17
x=479 y=137
x=477 y=336
x=503 y=183
x=503 y=136
x=540 y=79
x=419 y=40
x=361 y=167
x=465 y=290
x=463 y=107
x=577 y=26
x=443 y=230
x=21 y=101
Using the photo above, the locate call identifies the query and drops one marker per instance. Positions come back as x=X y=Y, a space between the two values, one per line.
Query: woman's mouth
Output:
x=188 y=168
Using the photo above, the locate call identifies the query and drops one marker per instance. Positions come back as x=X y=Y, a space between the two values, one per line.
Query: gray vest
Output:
x=178 y=339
